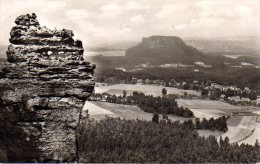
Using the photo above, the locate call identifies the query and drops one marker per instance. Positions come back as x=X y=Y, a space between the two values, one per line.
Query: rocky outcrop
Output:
x=166 y=49
x=44 y=85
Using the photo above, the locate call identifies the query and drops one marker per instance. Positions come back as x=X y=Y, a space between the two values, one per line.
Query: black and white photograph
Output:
x=129 y=81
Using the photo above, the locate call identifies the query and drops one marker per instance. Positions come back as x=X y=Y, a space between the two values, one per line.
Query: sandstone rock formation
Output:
x=165 y=49
x=44 y=84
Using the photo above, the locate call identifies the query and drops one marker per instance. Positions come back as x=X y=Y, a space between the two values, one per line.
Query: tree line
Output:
x=211 y=124
x=162 y=105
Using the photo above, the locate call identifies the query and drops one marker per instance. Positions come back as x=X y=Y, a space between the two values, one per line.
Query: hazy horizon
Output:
x=99 y=22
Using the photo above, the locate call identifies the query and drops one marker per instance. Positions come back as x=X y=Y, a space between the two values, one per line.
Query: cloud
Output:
x=137 y=19
x=117 y=20
x=181 y=27
x=110 y=11
x=243 y=10
x=131 y=5
x=54 y=5
x=79 y=14
x=169 y=10
x=124 y=30
x=111 y=8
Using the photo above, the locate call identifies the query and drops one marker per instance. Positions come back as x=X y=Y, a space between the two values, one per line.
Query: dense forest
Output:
x=117 y=140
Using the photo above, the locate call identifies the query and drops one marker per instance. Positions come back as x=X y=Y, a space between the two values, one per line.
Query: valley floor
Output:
x=243 y=125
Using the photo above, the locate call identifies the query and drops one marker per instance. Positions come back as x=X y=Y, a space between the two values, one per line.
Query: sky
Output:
x=104 y=21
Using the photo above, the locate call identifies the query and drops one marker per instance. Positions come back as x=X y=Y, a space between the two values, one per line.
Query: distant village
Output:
x=208 y=90
x=196 y=65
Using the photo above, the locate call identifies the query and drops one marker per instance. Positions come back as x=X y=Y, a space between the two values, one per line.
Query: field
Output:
x=208 y=113
x=208 y=104
x=208 y=108
x=95 y=110
x=154 y=90
x=234 y=121
x=242 y=131
x=255 y=135
x=99 y=110
x=242 y=124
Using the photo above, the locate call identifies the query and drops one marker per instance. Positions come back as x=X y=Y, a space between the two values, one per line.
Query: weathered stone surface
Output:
x=45 y=83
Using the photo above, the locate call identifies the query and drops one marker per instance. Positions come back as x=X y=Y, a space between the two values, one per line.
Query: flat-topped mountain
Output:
x=162 y=41
x=165 y=48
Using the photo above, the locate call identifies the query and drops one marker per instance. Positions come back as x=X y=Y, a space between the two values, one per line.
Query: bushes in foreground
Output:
x=117 y=140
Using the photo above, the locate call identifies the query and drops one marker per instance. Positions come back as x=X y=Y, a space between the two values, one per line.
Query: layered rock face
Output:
x=45 y=83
